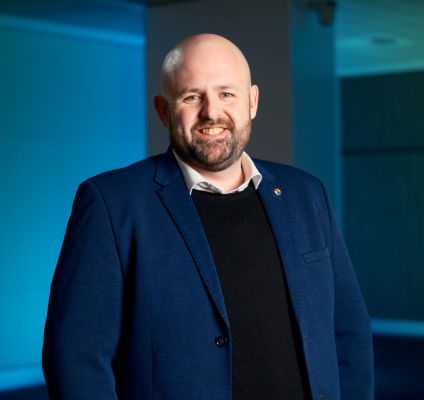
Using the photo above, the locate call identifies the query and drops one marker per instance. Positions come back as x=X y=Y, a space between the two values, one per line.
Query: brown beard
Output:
x=210 y=155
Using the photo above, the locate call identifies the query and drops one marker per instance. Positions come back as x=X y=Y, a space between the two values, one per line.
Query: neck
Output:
x=228 y=179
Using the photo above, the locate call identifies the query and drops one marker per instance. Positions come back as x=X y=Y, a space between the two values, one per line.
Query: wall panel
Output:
x=383 y=171
x=69 y=109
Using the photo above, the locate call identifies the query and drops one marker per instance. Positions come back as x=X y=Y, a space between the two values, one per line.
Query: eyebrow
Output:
x=197 y=90
x=225 y=87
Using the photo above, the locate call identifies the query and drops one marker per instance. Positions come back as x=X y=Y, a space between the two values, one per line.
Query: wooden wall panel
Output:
x=383 y=111
x=384 y=231
x=383 y=194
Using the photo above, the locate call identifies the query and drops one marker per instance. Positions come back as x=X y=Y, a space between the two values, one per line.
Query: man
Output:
x=201 y=274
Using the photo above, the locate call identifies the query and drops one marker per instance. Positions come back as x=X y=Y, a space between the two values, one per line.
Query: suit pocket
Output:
x=316 y=255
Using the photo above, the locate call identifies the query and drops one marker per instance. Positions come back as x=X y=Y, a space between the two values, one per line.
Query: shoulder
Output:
x=120 y=186
x=299 y=186
x=301 y=192
x=285 y=173
x=121 y=189
x=139 y=174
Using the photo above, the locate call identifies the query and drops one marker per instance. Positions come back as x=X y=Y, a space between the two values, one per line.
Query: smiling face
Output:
x=209 y=102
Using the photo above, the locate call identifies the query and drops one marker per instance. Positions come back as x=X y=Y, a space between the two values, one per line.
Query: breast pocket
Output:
x=317 y=288
x=317 y=255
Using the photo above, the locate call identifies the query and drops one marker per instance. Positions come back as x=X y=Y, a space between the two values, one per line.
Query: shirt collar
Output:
x=194 y=180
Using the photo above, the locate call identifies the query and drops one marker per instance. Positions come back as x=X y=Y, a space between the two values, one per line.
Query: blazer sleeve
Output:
x=85 y=308
x=351 y=322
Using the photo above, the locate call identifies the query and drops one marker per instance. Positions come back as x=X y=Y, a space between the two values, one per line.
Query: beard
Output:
x=211 y=155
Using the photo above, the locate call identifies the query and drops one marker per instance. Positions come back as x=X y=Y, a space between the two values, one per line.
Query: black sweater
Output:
x=267 y=356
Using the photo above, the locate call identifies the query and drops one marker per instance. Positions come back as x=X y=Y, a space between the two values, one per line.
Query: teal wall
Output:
x=383 y=181
x=70 y=108
x=314 y=96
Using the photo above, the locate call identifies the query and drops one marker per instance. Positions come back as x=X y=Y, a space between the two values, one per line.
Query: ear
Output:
x=254 y=97
x=161 y=107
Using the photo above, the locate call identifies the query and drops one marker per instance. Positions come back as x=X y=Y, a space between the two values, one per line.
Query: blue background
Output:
x=72 y=105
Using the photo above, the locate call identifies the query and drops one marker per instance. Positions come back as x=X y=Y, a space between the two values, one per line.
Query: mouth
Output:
x=211 y=131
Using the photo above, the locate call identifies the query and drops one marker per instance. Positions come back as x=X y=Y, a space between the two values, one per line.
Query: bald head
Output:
x=207 y=103
x=197 y=51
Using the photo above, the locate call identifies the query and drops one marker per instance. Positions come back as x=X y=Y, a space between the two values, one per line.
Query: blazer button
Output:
x=221 y=341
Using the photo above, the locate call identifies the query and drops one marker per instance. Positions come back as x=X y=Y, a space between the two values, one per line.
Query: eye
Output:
x=227 y=95
x=192 y=97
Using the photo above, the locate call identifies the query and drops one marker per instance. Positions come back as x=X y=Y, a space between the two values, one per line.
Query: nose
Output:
x=210 y=108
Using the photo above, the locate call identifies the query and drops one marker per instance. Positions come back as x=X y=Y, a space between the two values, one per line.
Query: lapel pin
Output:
x=277 y=192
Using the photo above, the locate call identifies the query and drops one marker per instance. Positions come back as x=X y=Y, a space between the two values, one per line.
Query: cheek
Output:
x=239 y=112
x=181 y=125
x=240 y=118
x=187 y=125
x=185 y=119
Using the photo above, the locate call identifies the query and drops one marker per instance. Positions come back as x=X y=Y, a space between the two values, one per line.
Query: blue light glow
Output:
x=21 y=377
x=72 y=105
x=395 y=327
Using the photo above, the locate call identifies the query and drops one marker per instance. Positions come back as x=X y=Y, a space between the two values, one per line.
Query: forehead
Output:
x=210 y=68
x=200 y=78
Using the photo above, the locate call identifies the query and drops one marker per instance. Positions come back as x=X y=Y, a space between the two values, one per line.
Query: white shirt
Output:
x=194 y=180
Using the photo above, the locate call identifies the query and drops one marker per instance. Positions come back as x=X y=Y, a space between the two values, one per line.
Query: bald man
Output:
x=201 y=273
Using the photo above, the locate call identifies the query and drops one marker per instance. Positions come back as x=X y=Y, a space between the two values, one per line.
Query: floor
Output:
x=399 y=368
x=399 y=371
x=36 y=393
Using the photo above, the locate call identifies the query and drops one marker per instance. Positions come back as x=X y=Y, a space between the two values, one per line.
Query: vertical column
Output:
x=316 y=147
x=261 y=31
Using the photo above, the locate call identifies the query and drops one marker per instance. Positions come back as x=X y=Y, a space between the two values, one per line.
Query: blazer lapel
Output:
x=281 y=213
x=281 y=210
x=177 y=200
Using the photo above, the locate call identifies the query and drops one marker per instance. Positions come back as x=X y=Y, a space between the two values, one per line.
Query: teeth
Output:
x=214 y=131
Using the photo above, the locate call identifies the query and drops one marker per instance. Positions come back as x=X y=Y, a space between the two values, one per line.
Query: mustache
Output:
x=210 y=122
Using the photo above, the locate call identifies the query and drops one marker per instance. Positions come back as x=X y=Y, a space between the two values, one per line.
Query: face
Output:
x=209 y=110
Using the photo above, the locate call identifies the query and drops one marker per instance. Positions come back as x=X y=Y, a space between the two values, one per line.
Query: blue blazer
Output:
x=136 y=304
